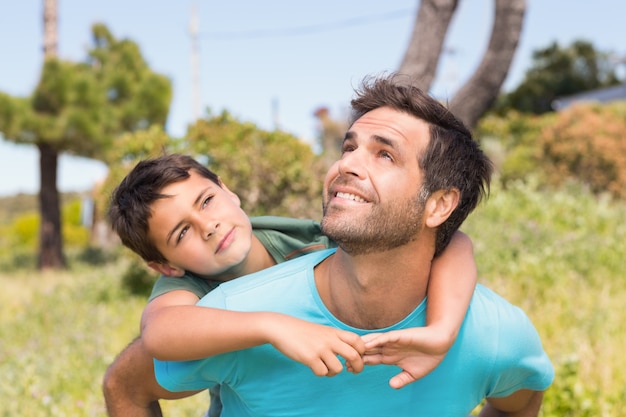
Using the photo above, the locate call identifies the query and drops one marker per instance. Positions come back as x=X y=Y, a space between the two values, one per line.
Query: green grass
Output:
x=559 y=255
x=58 y=333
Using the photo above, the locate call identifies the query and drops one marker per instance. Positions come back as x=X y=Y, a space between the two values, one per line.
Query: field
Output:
x=559 y=255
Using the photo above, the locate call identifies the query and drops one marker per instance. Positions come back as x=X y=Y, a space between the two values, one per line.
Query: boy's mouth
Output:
x=226 y=241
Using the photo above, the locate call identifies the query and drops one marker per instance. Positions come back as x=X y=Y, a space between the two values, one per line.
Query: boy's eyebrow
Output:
x=177 y=226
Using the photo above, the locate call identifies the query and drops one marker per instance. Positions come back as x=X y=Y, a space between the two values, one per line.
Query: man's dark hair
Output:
x=452 y=158
x=130 y=207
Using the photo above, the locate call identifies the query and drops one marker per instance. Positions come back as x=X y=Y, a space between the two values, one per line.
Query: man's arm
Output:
x=130 y=387
x=522 y=403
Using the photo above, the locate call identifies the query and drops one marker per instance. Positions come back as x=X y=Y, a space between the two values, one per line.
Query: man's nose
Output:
x=351 y=163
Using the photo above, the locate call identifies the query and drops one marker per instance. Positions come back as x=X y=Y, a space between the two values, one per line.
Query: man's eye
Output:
x=386 y=155
x=347 y=148
x=182 y=233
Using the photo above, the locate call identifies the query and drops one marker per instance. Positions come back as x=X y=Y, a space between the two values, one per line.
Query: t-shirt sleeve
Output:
x=521 y=361
x=287 y=238
x=196 y=374
x=198 y=286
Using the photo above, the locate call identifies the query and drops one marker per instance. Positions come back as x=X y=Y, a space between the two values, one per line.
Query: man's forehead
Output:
x=392 y=125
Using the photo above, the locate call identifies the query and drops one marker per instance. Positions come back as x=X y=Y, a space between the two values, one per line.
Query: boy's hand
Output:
x=318 y=346
x=417 y=351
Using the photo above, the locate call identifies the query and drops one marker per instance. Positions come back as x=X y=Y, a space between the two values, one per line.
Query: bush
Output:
x=95 y=256
x=517 y=156
x=587 y=142
x=137 y=278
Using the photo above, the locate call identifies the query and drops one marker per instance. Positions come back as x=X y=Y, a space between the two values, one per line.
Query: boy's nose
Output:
x=209 y=229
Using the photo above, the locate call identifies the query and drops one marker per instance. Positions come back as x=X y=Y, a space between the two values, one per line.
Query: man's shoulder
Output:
x=493 y=318
x=486 y=301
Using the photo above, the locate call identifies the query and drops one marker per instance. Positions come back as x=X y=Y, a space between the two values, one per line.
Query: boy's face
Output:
x=200 y=228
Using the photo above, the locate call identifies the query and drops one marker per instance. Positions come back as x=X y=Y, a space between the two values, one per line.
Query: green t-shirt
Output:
x=284 y=238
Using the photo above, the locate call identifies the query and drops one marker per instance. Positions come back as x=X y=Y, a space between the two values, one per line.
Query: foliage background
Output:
x=556 y=253
x=551 y=239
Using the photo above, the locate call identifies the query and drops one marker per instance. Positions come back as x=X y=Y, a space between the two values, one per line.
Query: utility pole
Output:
x=195 y=62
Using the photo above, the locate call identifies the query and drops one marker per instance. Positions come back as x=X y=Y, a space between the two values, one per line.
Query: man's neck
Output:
x=374 y=290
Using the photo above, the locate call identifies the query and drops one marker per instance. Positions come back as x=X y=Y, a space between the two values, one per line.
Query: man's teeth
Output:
x=351 y=197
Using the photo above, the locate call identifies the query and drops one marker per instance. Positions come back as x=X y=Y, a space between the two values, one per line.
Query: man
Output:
x=409 y=175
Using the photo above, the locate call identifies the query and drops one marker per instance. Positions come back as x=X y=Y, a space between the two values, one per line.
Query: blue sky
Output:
x=272 y=62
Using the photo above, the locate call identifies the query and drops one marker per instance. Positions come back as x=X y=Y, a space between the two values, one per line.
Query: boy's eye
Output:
x=182 y=233
x=207 y=201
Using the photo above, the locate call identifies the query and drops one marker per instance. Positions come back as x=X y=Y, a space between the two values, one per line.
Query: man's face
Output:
x=371 y=195
x=201 y=227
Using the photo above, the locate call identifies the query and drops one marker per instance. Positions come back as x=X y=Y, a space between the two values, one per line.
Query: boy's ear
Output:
x=440 y=205
x=232 y=195
x=166 y=269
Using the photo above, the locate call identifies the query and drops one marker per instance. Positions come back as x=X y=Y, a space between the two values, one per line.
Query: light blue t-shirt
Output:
x=497 y=352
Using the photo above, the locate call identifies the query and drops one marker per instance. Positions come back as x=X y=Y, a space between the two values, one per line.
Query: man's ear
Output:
x=440 y=205
x=166 y=269
x=232 y=195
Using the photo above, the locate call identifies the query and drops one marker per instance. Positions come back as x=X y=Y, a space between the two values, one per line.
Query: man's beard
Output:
x=385 y=227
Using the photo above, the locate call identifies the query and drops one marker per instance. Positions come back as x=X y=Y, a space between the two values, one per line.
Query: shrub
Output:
x=137 y=278
x=517 y=155
x=587 y=142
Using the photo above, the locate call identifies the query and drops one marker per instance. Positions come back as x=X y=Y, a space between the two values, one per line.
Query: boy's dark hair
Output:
x=452 y=158
x=131 y=202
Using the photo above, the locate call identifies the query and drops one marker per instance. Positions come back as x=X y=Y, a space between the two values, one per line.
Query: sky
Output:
x=270 y=62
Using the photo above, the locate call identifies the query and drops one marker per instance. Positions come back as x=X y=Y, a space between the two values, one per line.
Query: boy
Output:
x=187 y=225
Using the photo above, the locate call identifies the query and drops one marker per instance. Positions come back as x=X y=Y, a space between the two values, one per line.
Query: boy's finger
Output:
x=333 y=365
x=353 y=358
x=401 y=380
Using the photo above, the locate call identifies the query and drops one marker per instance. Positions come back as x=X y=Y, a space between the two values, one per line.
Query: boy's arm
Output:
x=181 y=331
x=451 y=286
x=419 y=350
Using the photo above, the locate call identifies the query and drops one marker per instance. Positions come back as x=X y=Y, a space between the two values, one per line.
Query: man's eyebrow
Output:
x=195 y=203
x=385 y=141
x=380 y=139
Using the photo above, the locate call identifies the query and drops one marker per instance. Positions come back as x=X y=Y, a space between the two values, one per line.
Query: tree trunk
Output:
x=482 y=89
x=50 y=239
x=429 y=32
x=50 y=41
x=426 y=45
x=50 y=242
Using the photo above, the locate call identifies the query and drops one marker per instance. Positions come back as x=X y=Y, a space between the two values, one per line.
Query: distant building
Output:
x=602 y=95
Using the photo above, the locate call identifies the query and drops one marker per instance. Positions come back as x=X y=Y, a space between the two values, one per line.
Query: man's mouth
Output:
x=349 y=196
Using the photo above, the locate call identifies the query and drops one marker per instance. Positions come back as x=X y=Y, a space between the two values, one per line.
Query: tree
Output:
x=557 y=72
x=80 y=108
x=331 y=134
x=481 y=91
x=272 y=172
